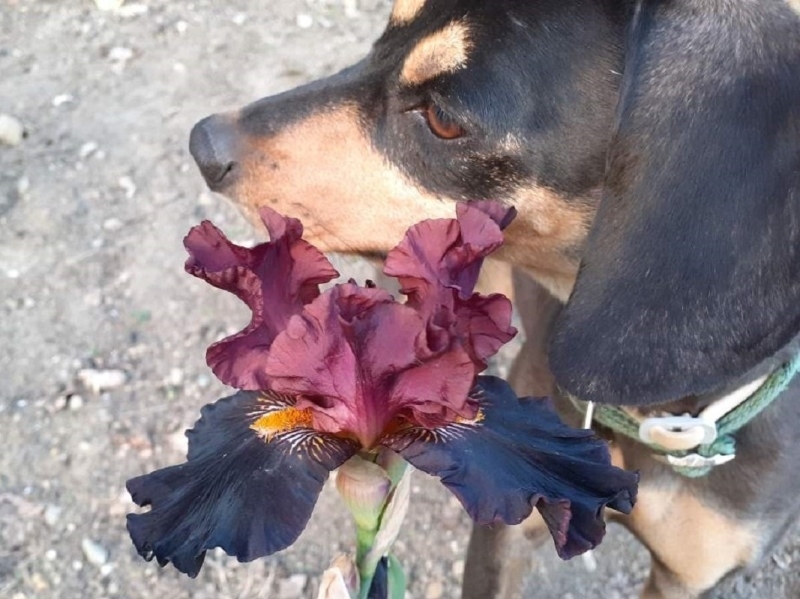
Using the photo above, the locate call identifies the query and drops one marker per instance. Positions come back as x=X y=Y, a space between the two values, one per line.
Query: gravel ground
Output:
x=94 y=202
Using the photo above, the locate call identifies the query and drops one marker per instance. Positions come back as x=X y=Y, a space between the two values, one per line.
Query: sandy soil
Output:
x=93 y=206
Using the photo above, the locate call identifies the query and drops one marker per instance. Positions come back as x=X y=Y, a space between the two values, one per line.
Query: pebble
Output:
x=133 y=10
x=120 y=54
x=62 y=99
x=457 y=569
x=109 y=4
x=51 y=555
x=292 y=587
x=128 y=186
x=112 y=224
x=11 y=130
x=106 y=570
x=87 y=149
x=75 y=402
x=23 y=185
x=52 y=514
x=95 y=554
x=101 y=380
x=434 y=590
x=304 y=21
x=175 y=377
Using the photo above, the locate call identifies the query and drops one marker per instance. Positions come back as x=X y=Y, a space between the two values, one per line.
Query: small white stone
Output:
x=351 y=9
x=102 y=380
x=181 y=27
x=50 y=555
x=12 y=273
x=11 y=130
x=109 y=4
x=52 y=514
x=304 y=21
x=128 y=186
x=457 y=569
x=63 y=99
x=179 y=68
x=434 y=590
x=120 y=54
x=94 y=552
x=77 y=565
x=87 y=149
x=175 y=377
x=292 y=587
x=75 y=403
x=106 y=570
x=133 y=10
x=112 y=224
x=23 y=185
x=239 y=18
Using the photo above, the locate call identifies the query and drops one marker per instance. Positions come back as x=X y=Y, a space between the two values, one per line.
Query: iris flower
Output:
x=324 y=376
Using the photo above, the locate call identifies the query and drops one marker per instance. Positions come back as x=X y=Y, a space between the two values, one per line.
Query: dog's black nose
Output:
x=212 y=145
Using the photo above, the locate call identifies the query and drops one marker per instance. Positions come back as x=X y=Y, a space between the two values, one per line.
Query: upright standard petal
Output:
x=517 y=454
x=275 y=279
x=253 y=475
x=358 y=359
x=438 y=263
x=447 y=253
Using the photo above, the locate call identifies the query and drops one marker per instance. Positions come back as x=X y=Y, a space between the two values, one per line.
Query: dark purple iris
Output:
x=326 y=375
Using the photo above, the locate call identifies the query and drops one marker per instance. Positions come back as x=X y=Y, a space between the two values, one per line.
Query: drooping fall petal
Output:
x=517 y=455
x=275 y=279
x=252 y=478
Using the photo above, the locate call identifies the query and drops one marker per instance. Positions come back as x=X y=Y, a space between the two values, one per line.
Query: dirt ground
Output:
x=94 y=203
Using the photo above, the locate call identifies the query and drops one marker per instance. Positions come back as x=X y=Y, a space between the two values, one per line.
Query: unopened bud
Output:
x=364 y=487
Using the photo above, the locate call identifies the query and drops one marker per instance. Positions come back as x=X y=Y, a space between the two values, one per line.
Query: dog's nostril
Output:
x=212 y=145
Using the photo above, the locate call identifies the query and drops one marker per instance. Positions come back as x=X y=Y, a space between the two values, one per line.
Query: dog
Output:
x=652 y=151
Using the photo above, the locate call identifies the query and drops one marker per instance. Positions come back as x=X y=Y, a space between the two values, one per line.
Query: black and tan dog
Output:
x=652 y=149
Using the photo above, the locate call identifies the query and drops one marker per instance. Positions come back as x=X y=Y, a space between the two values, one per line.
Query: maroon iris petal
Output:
x=518 y=455
x=249 y=495
x=438 y=263
x=446 y=253
x=275 y=279
x=358 y=359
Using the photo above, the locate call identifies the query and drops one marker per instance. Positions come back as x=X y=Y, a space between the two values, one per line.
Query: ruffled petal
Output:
x=244 y=490
x=438 y=263
x=275 y=279
x=517 y=454
x=357 y=359
x=447 y=254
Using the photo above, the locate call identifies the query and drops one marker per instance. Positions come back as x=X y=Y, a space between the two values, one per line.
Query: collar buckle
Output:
x=694 y=460
x=677 y=433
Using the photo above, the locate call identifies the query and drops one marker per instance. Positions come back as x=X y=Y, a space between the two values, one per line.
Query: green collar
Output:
x=717 y=442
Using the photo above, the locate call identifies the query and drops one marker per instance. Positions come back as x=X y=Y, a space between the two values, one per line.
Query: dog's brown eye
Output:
x=442 y=124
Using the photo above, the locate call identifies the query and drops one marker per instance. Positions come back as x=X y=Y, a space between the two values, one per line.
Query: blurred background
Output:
x=103 y=335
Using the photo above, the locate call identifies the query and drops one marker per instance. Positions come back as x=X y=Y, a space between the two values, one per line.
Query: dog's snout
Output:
x=212 y=144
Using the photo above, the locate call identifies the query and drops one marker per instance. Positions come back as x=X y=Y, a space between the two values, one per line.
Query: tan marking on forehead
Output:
x=442 y=52
x=405 y=11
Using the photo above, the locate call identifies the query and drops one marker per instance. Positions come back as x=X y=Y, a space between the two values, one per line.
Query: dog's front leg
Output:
x=499 y=556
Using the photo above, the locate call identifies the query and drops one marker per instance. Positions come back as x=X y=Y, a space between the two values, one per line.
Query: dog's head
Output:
x=652 y=150
x=458 y=100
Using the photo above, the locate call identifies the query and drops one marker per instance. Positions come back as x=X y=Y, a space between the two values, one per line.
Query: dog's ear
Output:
x=691 y=272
